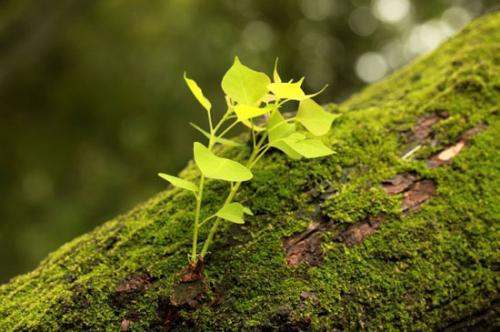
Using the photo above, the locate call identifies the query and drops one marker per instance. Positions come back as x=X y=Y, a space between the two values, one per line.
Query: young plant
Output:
x=254 y=101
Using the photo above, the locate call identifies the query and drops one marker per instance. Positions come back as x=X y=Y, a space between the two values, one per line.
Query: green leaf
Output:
x=198 y=94
x=178 y=182
x=309 y=147
x=290 y=90
x=244 y=85
x=219 y=140
x=276 y=76
x=284 y=147
x=216 y=167
x=234 y=212
x=244 y=112
x=278 y=128
x=297 y=145
x=284 y=144
x=314 y=118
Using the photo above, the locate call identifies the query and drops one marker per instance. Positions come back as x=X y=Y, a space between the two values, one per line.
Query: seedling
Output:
x=254 y=101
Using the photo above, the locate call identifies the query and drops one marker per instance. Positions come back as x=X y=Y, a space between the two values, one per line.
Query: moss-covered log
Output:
x=397 y=230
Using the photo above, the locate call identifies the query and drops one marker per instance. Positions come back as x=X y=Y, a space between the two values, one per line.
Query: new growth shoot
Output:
x=255 y=101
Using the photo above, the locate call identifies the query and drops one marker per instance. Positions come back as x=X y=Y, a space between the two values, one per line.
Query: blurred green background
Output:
x=93 y=105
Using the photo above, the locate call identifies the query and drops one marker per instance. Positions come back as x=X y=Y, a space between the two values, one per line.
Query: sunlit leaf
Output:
x=244 y=112
x=289 y=90
x=244 y=85
x=276 y=76
x=178 y=182
x=198 y=94
x=219 y=140
x=284 y=144
x=314 y=118
x=309 y=147
x=278 y=128
x=284 y=147
x=234 y=212
x=216 y=167
x=298 y=145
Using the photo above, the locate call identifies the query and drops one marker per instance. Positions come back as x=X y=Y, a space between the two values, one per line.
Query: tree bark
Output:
x=397 y=230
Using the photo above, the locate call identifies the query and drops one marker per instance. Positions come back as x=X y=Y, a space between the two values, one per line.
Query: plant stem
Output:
x=225 y=117
x=234 y=189
x=228 y=129
x=199 y=197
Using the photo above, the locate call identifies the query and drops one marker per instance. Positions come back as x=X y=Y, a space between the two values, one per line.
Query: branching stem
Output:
x=254 y=157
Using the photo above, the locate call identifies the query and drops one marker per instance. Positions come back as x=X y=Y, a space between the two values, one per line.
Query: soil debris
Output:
x=130 y=288
x=307 y=295
x=418 y=193
x=192 y=286
x=134 y=284
x=305 y=246
x=451 y=152
x=125 y=325
x=423 y=129
x=187 y=294
x=469 y=134
x=168 y=315
x=399 y=183
x=424 y=126
x=356 y=233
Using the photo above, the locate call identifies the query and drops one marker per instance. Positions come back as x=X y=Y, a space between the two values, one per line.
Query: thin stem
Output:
x=228 y=129
x=262 y=153
x=199 y=196
x=206 y=220
x=222 y=120
x=261 y=141
x=253 y=135
x=225 y=117
x=214 y=227
x=230 y=197
x=210 y=123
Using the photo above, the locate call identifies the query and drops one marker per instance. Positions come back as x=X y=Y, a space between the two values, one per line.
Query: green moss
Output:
x=420 y=271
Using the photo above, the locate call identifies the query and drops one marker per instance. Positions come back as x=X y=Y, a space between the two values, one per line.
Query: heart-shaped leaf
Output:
x=290 y=90
x=297 y=145
x=198 y=94
x=284 y=144
x=314 y=118
x=278 y=128
x=309 y=147
x=216 y=167
x=245 y=112
x=178 y=182
x=284 y=147
x=234 y=212
x=244 y=85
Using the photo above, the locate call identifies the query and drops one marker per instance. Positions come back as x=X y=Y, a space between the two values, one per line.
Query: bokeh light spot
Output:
x=456 y=17
x=391 y=11
x=257 y=36
x=371 y=67
x=427 y=36
x=362 y=22
x=317 y=10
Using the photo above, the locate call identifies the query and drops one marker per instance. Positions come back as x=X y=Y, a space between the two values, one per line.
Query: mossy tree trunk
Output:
x=397 y=230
